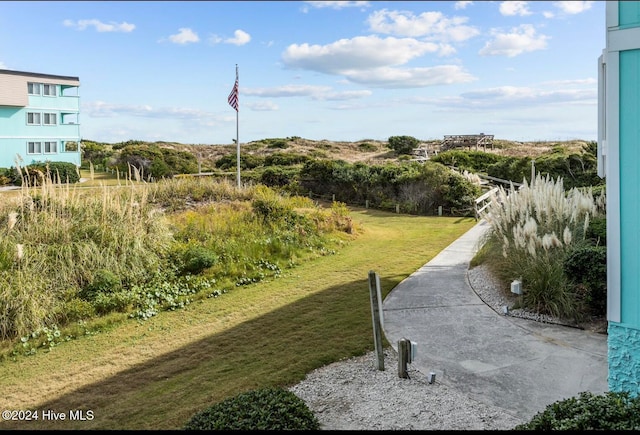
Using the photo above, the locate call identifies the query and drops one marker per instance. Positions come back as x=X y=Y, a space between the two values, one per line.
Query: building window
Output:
x=49 y=119
x=50 y=147
x=33 y=118
x=49 y=90
x=34 y=147
x=71 y=146
x=33 y=88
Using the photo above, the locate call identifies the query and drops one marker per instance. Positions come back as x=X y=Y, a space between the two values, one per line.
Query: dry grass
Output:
x=366 y=150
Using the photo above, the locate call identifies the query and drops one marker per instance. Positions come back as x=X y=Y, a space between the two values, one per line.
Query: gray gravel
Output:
x=354 y=395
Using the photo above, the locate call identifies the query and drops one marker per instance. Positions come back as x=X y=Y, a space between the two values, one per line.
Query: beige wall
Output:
x=13 y=87
x=13 y=90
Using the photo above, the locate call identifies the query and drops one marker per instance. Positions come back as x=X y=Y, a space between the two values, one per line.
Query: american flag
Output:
x=233 y=96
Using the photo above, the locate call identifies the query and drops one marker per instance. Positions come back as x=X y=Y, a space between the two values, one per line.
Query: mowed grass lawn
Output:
x=156 y=374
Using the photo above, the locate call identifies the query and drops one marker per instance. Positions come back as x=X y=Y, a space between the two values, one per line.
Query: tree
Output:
x=403 y=144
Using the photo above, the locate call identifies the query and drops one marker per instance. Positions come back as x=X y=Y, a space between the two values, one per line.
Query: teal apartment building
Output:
x=39 y=118
x=619 y=162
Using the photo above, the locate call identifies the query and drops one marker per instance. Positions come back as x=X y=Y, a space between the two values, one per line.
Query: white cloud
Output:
x=337 y=4
x=359 y=53
x=573 y=7
x=370 y=60
x=520 y=40
x=100 y=26
x=2 y=66
x=431 y=24
x=574 y=82
x=101 y=109
x=318 y=93
x=514 y=8
x=506 y=97
x=462 y=4
x=240 y=38
x=184 y=36
x=286 y=91
x=262 y=106
x=396 y=78
x=343 y=96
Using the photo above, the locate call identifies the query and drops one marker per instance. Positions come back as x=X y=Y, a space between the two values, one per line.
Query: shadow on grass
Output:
x=275 y=349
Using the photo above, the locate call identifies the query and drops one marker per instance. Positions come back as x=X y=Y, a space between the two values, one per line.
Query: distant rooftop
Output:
x=38 y=75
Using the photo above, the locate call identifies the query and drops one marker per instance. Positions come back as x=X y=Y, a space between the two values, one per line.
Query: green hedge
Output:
x=261 y=409
x=588 y=411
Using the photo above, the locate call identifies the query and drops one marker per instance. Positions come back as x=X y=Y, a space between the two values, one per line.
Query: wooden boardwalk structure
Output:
x=426 y=150
x=467 y=141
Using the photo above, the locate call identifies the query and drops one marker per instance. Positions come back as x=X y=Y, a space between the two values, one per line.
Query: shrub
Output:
x=155 y=161
x=276 y=143
x=366 y=146
x=34 y=174
x=597 y=230
x=586 y=266
x=78 y=309
x=121 y=301
x=587 y=411
x=475 y=161
x=197 y=258
x=460 y=192
x=272 y=210
x=104 y=281
x=276 y=176
x=247 y=161
x=403 y=144
x=261 y=409
x=285 y=159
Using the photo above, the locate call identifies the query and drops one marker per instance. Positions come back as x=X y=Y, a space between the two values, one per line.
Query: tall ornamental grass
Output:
x=55 y=239
x=70 y=254
x=533 y=228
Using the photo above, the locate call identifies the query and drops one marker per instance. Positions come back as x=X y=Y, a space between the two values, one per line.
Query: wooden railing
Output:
x=483 y=201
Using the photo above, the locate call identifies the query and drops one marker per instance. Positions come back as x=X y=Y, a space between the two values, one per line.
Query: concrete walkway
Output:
x=517 y=364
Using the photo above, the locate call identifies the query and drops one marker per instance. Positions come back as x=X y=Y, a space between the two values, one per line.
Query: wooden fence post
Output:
x=403 y=356
x=376 y=315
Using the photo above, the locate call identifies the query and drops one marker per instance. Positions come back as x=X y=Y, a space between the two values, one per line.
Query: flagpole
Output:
x=233 y=102
x=237 y=137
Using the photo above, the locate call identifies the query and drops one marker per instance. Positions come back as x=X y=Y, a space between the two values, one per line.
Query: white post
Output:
x=533 y=171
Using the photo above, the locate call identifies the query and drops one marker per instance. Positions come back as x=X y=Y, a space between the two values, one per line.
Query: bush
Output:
x=262 y=409
x=597 y=230
x=403 y=144
x=247 y=161
x=197 y=258
x=608 y=411
x=57 y=172
x=284 y=159
x=155 y=161
x=474 y=161
x=104 y=281
x=586 y=266
x=276 y=176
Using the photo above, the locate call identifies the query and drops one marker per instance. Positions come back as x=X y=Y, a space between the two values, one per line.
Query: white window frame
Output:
x=34 y=88
x=33 y=145
x=34 y=115
x=46 y=89
x=47 y=118
x=51 y=147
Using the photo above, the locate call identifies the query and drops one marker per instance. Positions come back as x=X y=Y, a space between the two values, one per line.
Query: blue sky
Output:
x=335 y=70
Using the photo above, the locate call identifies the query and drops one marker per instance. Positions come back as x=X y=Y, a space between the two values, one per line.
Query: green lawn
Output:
x=156 y=374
